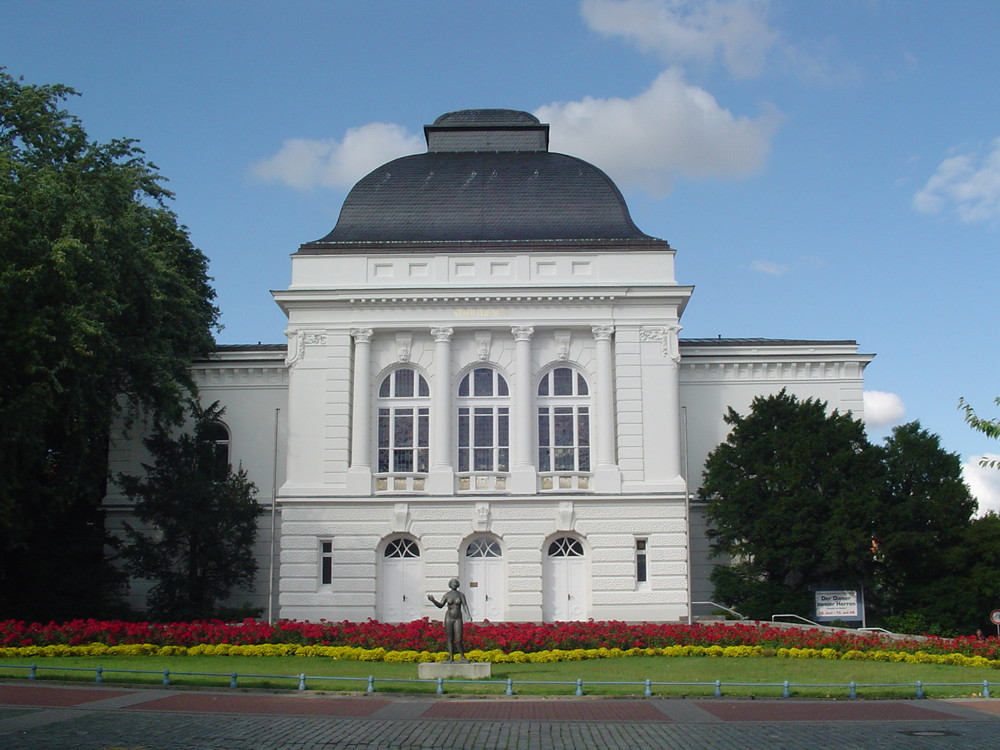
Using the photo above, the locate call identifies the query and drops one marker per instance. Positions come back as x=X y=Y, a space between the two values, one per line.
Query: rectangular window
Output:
x=641 y=570
x=326 y=563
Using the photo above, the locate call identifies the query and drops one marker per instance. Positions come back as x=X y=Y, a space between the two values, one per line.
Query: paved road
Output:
x=34 y=716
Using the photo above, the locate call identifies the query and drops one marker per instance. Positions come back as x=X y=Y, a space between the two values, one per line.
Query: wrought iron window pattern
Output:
x=566 y=546
x=401 y=548
x=403 y=423
x=483 y=548
x=483 y=422
x=563 y=421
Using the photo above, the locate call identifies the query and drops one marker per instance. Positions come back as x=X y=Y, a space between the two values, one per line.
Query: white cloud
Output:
x=769 y=267
x=669 y=129
x=304 y=164
x=804 y=263
x=984 y=482
x=883 y=409
x=970 y=185
x=681 y=31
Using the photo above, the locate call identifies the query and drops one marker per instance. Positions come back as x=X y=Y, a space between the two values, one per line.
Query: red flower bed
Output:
x=426 y=635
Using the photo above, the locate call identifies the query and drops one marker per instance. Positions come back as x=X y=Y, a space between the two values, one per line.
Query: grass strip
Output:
x=749 y=677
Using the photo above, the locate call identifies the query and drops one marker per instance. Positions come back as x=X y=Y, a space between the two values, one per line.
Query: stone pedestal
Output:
x=454 y=670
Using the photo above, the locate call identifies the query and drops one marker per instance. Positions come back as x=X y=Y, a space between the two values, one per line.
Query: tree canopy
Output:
x=791 y=493
x=104 y=302
x=799 y=500
x=201 y=518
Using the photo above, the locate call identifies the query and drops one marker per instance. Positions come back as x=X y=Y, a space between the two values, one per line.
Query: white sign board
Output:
x=837 y=605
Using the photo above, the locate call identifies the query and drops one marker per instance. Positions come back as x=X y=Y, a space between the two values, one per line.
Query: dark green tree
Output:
x=104 y=303
x=791 y=495
x=922 y=517
x=201 y=518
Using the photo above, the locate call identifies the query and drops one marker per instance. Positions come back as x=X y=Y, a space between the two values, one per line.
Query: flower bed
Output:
x=494 y=656
x=508 y=639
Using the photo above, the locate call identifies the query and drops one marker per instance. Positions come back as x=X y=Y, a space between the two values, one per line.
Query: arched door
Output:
x=483 y=581
x=565 y=594
x=401 y=593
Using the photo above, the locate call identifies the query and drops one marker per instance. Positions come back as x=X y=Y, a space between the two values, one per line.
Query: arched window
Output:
x=483 y=421
x=565 y=546
x=217 y=436
x=563 y=421
x=403 y=422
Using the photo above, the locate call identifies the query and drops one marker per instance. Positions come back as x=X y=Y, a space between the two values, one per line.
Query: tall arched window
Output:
x=403 y=422
x=483 y=422
x=563 y=421
x=217 y=436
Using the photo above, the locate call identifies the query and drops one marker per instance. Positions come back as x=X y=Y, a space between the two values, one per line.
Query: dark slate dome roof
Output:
x=488 y=181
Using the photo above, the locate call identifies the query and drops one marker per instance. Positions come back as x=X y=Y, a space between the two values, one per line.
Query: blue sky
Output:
x=824 y=169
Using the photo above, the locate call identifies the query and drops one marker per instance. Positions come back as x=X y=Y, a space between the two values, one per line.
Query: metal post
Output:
x=274 y=510
x=232 y=680
x=33 y=672
x=579 y=687
x=785 y=692
x=510 y=687
x=371 y=684
x=853 y=690
x=99 y=677
x=648 y=692
x=166 y=677
x=440 y=686
x=986 y=688
x=920 y=689
x=302 y=681
x=718 y=688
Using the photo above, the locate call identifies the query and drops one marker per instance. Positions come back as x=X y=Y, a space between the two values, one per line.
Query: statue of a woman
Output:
x=454 y=601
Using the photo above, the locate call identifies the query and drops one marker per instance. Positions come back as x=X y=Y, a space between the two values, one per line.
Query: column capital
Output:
x=442 y=333
x=522 y=333
x=603 y=333
x=362 y=335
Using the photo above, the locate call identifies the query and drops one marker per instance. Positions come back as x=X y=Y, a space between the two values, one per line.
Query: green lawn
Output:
x=752 y=677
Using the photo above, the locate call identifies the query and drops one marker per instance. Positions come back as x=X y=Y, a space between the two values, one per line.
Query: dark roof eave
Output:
x=384 y=247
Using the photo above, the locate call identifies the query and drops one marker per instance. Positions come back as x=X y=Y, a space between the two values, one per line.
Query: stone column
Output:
x=441 y=479
x=607 y=478
x=359 y=475
x=523 y=474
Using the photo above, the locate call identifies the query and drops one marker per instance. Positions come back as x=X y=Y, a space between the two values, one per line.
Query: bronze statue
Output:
x=455 y=602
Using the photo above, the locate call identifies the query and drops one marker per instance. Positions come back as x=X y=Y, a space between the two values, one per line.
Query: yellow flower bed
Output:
x=494 y=656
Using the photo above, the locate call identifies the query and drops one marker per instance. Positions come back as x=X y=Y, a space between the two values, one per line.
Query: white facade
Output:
x=523 y=417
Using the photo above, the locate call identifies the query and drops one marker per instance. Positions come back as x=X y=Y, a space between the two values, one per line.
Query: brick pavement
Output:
x=35 y=716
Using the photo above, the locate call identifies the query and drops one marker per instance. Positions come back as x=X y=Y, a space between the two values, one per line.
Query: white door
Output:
x=401 y=590
x=483 y=582
x=565 y=594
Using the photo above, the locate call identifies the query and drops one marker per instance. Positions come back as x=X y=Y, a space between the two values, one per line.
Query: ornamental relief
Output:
x=667 y=337
x=299 y=341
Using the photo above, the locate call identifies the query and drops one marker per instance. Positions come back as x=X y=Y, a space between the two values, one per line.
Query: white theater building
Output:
x=483 y=379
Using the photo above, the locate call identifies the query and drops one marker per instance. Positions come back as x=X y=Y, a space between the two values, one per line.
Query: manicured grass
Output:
x=753 y=676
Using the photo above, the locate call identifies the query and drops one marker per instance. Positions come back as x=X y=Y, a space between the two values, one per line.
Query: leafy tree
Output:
x=923 y=515
x=791 y=494
x=989 y=427
x=203 y=517
x=104 y=303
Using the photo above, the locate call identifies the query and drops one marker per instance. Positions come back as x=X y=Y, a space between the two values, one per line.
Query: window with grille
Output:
x=401 y=548
x=483 y=548
x=565 y=546
x=563 y=421
x=403 y=422
x=483 y=422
